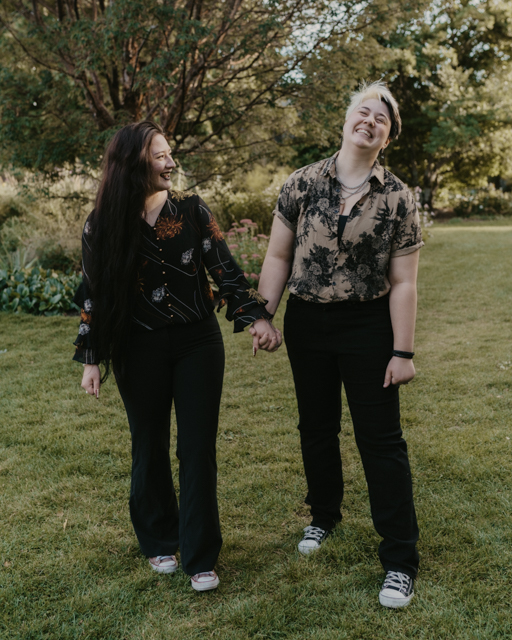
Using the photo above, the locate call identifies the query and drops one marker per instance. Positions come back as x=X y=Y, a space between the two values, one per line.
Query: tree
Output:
x=216 y=74
x=449 y=64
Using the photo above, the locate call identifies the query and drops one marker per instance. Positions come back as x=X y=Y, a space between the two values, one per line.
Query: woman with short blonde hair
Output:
x=346 y=239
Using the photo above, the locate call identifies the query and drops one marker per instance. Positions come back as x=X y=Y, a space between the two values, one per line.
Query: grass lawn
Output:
x=70 y=564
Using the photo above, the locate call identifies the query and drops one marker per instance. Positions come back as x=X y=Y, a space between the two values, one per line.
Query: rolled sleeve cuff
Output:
x=407 y=250
x=285 y=221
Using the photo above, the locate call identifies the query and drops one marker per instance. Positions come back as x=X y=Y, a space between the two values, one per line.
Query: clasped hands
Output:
x=265 y=336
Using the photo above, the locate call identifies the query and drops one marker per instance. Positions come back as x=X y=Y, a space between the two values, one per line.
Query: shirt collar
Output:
x=330 y=169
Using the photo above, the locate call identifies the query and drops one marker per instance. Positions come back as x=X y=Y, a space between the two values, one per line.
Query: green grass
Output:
x=70 y=564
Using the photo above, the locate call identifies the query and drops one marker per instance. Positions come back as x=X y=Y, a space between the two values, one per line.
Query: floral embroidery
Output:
x=181 y=195
x=158 y=294
x=191 y=237
x=254 y=295
x=167 y=228
x=208 y=291
x=186 y=256
x=214 y=229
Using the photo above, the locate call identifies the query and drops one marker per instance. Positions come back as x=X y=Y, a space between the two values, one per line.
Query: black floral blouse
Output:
x=173 y=285
x=346 y=257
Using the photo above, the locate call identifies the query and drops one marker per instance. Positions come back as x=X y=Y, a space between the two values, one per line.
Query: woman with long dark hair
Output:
x=346 y=239
x=147 y=309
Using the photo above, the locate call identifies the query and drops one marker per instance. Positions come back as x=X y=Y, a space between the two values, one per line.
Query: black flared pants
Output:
x=184 y=364
x=352 y=343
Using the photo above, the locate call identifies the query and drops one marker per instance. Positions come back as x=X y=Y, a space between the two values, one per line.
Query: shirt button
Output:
x=165 y=284
x=160 y=249
x=163 y=273
x=168 y=305
x=163 y=260
x=172 y=316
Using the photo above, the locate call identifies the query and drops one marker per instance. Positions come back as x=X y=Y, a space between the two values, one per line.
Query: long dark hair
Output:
x=115 y=232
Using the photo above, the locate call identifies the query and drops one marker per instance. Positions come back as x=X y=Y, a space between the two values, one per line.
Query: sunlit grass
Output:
x=70 y=565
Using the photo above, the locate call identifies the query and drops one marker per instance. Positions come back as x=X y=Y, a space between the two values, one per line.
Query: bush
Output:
x=253 y=197
x=248 y=248
x=38 y=291
x=42 y=223
x=488 y=202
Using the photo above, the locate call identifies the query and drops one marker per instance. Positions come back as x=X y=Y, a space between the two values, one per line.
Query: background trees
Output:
x=238 y=81
x=216 y=74
x=449 y=65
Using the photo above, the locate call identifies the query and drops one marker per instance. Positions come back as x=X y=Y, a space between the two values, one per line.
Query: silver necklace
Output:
x=352 y=191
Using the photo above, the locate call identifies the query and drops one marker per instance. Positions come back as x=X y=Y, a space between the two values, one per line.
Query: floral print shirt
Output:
x=173 y=285
x=337 y=259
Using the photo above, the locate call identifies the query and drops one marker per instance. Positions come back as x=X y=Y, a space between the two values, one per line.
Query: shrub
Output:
x=426 y=215
x=248 y=248
x=253 y=197
x=488 y=202
x=38 y=291
x=43 y=222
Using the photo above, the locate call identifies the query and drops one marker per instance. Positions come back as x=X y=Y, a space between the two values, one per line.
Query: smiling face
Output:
x=161 y=163
x=368 y=126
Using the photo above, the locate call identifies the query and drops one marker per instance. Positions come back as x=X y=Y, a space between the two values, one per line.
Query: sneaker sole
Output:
x=205 y=586
x=307 y=550
x=163 y=569
x=394 y=603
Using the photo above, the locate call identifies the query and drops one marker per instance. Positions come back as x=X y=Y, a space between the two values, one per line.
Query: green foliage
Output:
x=38 y=291
x=451 y=72
x=248 y=247
x=251 y=195
x=217 y=76
x=42 y=223
x=482 y=203
x=449 y=64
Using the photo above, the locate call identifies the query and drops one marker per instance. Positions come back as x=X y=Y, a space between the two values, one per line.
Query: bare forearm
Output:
x=274 y=276
x=402 y=306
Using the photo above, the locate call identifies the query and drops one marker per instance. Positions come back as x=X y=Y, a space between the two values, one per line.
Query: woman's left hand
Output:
x=399 y=371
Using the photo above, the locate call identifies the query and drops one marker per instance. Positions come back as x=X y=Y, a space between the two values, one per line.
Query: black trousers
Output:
x=184 y=363
x=351 y=343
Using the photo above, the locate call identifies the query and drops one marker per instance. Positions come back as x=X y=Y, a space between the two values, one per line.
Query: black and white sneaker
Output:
x=313 y=538
x=397 y=590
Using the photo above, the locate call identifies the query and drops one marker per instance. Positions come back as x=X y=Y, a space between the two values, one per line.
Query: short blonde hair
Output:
x=380 y=91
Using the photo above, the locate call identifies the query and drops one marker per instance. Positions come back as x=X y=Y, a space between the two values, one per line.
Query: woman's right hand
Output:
x=91 y=380
x=265 y=336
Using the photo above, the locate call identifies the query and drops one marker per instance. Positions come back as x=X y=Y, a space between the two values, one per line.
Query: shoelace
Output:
x=207 y=574
x=314 y=533
x=164 y=558
x=397 y=580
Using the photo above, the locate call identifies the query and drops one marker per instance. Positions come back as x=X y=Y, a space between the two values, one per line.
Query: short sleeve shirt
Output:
x=330 y=265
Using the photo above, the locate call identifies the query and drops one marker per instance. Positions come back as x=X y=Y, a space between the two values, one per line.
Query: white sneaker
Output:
x=397 y=590
x=164 y=564
x=205 y=581
x=313 y=538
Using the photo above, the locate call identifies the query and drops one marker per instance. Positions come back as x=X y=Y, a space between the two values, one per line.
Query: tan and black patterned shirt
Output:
x=333 y=262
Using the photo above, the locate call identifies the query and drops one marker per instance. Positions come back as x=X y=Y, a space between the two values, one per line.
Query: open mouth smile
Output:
x=366 y=133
